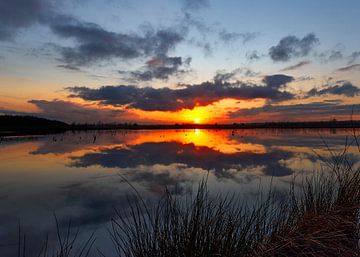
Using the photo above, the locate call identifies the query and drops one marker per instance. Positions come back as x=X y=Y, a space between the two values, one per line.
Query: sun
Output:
x=197 y=120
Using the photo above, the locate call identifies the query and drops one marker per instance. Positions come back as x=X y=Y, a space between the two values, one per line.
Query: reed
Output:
x=316 y=217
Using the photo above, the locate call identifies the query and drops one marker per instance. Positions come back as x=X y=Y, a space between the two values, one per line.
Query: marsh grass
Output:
x=316 y=217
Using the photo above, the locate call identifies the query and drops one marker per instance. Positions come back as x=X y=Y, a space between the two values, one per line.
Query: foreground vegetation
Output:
x=317 y=216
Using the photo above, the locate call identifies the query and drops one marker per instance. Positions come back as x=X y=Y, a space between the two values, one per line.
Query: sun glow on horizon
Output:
x=216 y=112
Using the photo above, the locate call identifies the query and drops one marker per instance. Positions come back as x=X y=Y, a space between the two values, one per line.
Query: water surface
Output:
x=79 y=176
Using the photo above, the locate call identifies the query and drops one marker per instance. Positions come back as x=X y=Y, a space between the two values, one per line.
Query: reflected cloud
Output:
x=191 y=155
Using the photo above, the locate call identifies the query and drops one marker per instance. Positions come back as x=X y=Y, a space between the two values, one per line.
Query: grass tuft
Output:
x=317 y=217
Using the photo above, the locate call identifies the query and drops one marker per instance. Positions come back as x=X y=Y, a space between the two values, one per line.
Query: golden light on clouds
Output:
x=213 y=113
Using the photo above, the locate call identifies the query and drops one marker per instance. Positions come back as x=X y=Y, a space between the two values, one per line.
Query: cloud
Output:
x=94 y=43
x=277 y=81
x=69 y=67
x=331 y=56
x=353 y=57
x=20 y=14
x=167 y=99
x=228 y=37
x=72 y=112
x=194 y=5
x=160 y=67
x=296 y=66
x=223 y=76
x=349 y=68
x=292 y=46
x=91 y=42
x=252 y=55
x=346 y=89
x=304 y=78
x=310 y=111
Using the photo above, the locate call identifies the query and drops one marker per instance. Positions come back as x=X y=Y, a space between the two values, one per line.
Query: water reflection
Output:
x=77 y=174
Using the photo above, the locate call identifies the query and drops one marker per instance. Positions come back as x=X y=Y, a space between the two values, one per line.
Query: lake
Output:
x=80 y=176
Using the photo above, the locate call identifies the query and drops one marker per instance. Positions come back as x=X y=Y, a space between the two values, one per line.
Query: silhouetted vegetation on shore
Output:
x=12 y=124
x=19 y=125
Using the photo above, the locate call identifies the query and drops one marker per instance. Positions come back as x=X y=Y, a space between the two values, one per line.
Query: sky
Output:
x=180 y=61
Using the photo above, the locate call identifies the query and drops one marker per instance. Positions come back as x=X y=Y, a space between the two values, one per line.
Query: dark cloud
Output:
x=19 y=14
x=292 y=46
x=166 y=99
x=94 y=43
x=193 y=5
x=349 y=68
x=353 y=57
x=296 y=66
x=346 y=89
x=72 y=112
x=160 y=67
x=245 y=37
x=315 y=111
x=277 y=81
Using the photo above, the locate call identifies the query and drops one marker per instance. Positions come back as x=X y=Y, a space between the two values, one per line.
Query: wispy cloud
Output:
x=349 y=68
x=296 y=66
x=245 y=37
x=223 y=75
x=353 y=57
x=331 y=56
x=194 y=5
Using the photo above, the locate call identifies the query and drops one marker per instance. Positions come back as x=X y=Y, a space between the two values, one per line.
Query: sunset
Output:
x=179 y=128
x=232 y=61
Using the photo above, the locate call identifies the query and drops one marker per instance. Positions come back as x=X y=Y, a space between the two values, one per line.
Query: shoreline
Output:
x=7 y=134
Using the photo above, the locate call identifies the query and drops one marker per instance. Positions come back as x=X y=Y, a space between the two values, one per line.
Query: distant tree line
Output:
x=28 y=124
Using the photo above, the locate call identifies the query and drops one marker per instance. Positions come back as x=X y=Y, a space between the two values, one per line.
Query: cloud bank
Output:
x=167 y=99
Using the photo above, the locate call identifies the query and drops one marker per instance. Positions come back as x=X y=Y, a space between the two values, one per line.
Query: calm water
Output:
x=76 y=175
